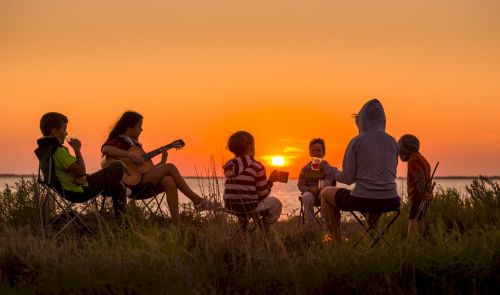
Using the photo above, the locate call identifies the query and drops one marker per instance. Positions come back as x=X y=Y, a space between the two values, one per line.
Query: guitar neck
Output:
x=156 y=152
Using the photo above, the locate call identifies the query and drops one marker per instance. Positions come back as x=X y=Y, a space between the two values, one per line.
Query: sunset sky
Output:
x=287 y=71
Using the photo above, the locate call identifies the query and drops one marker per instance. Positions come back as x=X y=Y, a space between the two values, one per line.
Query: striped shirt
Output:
x=246 y=184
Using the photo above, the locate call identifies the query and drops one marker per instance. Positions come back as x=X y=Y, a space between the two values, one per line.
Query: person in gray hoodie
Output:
x=370 y=161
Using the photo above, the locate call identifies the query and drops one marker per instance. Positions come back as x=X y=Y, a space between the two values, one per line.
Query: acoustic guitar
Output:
x=134 y=173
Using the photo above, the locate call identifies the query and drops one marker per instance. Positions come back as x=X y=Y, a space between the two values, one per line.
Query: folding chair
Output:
x=245 y=217
x=370 y=226
x=51 y=200
x=153 y=202
x=302 y=217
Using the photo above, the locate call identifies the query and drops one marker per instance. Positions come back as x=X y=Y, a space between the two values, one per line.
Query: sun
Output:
x=278 y=161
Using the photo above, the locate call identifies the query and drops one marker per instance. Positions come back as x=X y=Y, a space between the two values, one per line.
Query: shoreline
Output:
x=494 y=177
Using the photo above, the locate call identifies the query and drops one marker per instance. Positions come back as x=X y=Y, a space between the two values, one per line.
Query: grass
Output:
x=460 y=253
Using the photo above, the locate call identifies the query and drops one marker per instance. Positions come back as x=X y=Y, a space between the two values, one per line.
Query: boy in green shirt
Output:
x=71 y=178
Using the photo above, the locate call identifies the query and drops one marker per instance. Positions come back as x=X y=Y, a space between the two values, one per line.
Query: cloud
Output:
x=292 y=149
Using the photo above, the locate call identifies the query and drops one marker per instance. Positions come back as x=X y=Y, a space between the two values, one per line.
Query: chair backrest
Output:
x=46 y=148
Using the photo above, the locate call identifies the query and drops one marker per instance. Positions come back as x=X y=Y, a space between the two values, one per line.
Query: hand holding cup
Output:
x=283 y=176
x=315 y=163
x=74 y=142
x=273 y=177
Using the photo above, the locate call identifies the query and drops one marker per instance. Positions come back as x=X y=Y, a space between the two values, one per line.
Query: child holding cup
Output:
x=247 y=188
x=311 y=180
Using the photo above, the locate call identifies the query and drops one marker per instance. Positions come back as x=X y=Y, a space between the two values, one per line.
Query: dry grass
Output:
x=207 y=255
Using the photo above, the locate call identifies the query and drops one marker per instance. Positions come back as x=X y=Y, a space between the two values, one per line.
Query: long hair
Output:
x=128 y=120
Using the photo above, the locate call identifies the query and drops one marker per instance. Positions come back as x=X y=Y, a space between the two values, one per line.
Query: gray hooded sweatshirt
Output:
x=371 y=158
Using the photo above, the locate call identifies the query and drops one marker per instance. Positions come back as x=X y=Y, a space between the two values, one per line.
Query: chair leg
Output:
x=158 y=211
x=159 y=204
x=368 y=225
x=318 y=211
x=302 y=217
x=381 y=234
x=363 y=225
x=257 y=223
x=371 y=228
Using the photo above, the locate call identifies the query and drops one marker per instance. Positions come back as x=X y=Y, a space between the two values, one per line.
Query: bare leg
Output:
x=155 y=175
x=330 y=212
x=170 y=187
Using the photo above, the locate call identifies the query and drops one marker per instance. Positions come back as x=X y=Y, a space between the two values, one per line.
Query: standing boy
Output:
x=418 y=181
x=246 y=191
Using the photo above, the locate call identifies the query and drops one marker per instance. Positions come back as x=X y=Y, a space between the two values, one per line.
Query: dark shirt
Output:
x=122 y=142
x=418 y=178
x=308 y=179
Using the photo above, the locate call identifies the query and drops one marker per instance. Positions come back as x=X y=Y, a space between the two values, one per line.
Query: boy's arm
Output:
x=78 y=167
x=348 y=174
x=418 y=173
x=262 y=185
x=67 y=162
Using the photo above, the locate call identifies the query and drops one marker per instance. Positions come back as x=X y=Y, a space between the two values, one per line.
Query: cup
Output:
x=70 y=138
x=283 y=176
x=315 y=163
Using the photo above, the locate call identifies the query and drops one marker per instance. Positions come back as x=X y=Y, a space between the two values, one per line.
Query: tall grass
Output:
x=205 y=254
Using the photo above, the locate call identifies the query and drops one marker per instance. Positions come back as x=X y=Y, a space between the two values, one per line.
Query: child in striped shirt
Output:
x=247 y=190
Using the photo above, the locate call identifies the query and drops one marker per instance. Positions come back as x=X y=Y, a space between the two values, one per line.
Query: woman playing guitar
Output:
x=122 y=143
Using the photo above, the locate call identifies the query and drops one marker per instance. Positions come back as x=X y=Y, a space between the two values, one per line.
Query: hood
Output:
x=371 y=117
x=46 y=147
x=48 y=141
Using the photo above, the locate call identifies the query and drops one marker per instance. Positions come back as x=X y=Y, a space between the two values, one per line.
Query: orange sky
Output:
x=286 y=71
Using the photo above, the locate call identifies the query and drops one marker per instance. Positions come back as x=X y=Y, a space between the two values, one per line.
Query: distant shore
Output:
x=496 y=177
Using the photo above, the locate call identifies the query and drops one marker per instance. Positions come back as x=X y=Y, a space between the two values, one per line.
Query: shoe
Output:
x=327 y=238
x=206 y=205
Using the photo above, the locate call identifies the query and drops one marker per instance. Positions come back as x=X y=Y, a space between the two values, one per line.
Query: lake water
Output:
x=287 y=193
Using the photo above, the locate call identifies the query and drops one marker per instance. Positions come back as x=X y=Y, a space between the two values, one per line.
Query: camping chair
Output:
x=245 y=217
x=376 y=233
x=51 y=200
x=302 y=217
x=153 y=202
x=244 y=220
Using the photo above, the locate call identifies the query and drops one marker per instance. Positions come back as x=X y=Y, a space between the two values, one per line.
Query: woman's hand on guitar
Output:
x=138 y=160
x=164 y=156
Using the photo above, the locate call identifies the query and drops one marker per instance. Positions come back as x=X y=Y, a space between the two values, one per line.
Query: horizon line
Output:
x=13 y=175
